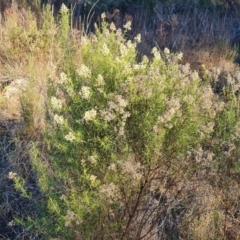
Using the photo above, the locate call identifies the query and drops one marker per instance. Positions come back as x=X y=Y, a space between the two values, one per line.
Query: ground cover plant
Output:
x=114 y=144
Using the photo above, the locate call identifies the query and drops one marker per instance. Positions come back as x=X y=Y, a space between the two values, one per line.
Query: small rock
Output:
x=10 y=97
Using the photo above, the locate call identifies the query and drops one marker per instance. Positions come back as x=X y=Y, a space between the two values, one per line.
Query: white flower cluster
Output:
x=90 y=115
x=105 y=50
x=132 y=168
x=142 y=83
x=208 y=128
x=138 y=66
x=156 y=53
x=100 y=81
x=138 y=38
x=103 y=15
x=12 y=175
x=72 y=218
x=131 y=45
x=228 y=147
x=116 y=111
x=83 y=163
x=123 y=49
x=119 y=35
x=201 y=156
x=112 y=167
x=92 y=178
x=85 y=40
x=56 y=103
x=112 y=27
x=173 y=107
x=206 y=98
x=236 y=133
x=166 y=51
x=106 y=32
x=110 y=192
x=85 y=92
x=84 y=71
x=70 y=137
x=63 y=8
x=145 y=60
x=185 y=69
x=171 y=57
x=63 y=78
x=128 y=69
x=128 y=25
x=215 y=74
x=189 y=99
x=107 y=115
x=179 y=56
x=118 y=60
x=58 y=119
x=11 y=223
x=233 y=81
x=92 y=159
x=119 y=103
x=115 y=106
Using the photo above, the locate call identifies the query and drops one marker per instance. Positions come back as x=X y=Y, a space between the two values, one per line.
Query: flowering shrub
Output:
x=120 y=133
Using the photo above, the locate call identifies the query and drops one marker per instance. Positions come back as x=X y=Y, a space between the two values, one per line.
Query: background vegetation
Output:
x=117 y=126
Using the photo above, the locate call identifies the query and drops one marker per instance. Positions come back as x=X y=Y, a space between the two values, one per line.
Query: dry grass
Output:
x=204 y=35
